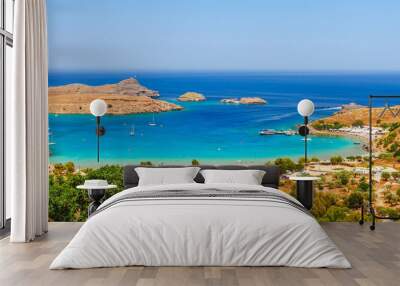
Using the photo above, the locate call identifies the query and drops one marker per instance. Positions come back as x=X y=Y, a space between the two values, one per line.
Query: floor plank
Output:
x=375 y=257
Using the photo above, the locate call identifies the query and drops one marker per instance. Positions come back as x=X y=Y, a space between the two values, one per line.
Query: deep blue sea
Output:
x=209 y=131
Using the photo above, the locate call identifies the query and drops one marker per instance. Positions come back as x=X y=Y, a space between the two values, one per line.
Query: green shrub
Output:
x=394 y=147
x=195 y=162
x=394 y=126
x=322 y=201
x=385 y=176
x=321 y=125
x=337 y=125
x=331 y=185
x=336 y=160
x=319 y=185
x=389 y=139
x=353 y=216
x=146 y=163
x=358 y=123
x=391 y=199
x=66 y=203
x=69 y=167
x=335 y=213
x=343 y=177
x=384 y=125
x=355 y=200
x=61 y=169
x=389 y=212
x=385 y=156
x=287 y=164
x=363 y=186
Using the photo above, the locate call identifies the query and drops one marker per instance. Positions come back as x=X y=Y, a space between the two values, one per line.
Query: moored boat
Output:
x=132 y=131
x=277 y=132
x=267 y=132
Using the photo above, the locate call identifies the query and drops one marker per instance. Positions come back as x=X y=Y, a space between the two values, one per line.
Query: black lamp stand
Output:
x=305 y=187
x=100 y=131
x=305 y=139
x=304 y=131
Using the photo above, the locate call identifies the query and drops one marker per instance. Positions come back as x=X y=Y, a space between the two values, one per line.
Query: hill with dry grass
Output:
x=348 y=117
x=126 y=97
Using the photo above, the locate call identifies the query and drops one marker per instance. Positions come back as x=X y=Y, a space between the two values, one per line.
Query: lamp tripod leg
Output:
x=361 y=222
x=372 y=211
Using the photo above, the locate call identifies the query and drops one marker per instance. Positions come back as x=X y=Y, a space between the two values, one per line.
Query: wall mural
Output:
x=179 y=90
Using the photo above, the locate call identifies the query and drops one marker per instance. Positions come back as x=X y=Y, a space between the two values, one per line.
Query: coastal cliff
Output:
x=126 y=97
x=192 y=96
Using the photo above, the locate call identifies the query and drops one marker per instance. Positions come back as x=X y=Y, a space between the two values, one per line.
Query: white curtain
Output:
x=27 y=124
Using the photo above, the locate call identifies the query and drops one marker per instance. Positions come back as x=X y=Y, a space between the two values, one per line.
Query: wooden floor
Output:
x=375 y=257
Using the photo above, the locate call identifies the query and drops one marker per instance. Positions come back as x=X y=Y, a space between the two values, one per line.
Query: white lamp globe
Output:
x=305 y=107
x=98 y=107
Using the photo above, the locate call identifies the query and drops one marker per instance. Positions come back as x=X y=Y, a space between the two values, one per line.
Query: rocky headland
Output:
x=354 y=113
x=353 y=121
x=192 y=96
x=126 y=97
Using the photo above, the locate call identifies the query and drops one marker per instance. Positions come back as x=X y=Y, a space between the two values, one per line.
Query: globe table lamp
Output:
x=98 y=108
x=305 y=108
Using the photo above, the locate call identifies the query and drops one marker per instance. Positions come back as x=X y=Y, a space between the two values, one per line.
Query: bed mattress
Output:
x=201 y=225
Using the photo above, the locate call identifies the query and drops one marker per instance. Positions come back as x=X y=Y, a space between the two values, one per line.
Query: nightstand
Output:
x=96 y=191
x=304 y=190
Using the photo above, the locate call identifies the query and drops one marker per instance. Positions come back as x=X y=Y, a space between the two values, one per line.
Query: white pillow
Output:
x=248 y=177
x=166 y=176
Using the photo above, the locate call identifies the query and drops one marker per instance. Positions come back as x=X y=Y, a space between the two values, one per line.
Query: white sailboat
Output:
x=153 y=122
x=132 y=131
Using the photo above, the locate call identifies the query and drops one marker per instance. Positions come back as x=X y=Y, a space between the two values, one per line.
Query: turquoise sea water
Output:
x=209 y=131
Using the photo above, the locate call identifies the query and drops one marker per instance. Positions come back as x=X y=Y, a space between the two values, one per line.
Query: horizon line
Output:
x=198 y=71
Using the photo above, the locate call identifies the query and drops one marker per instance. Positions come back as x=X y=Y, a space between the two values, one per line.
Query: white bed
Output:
x=202 y=231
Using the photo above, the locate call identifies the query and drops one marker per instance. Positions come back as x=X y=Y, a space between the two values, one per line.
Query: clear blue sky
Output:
x=224 y=35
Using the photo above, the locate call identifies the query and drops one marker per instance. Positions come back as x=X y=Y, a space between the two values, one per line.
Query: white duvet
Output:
x=202 y=232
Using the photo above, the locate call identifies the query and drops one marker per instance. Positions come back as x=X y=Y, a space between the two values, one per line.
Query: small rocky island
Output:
x=126 y=97
x=244 y=100
x=192 y=96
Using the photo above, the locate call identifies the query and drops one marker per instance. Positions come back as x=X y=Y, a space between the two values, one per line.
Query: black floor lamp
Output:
x=305 y=108
x=304 y=184
x=98 y=108
x=394 y=114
